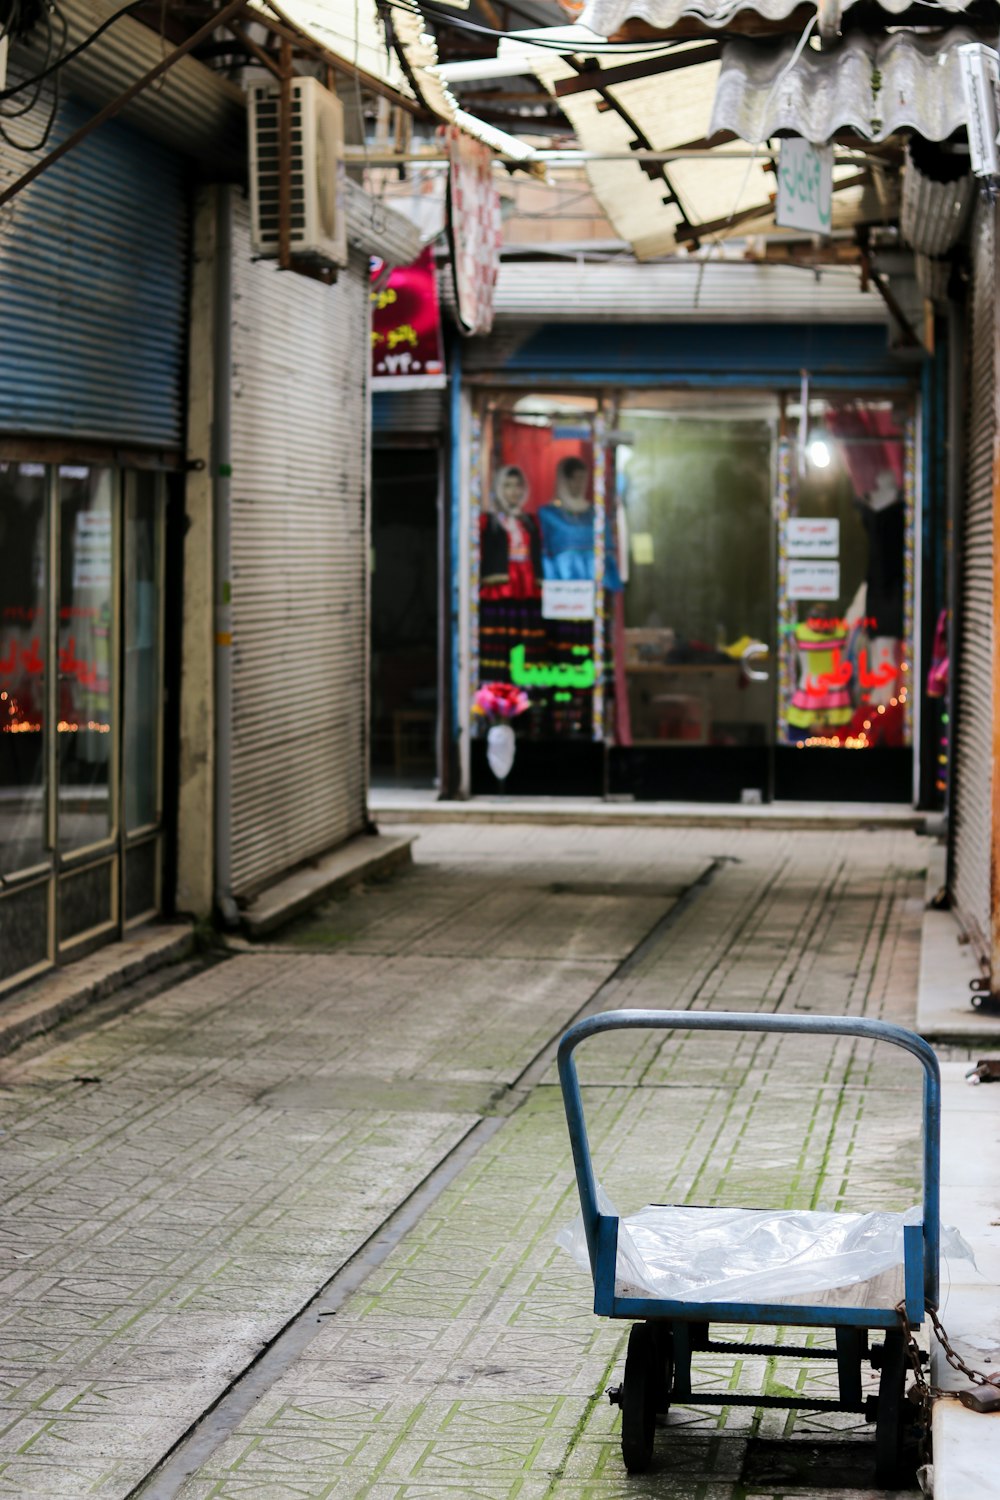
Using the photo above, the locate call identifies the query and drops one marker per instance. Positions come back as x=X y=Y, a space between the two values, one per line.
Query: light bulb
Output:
x=819 y=453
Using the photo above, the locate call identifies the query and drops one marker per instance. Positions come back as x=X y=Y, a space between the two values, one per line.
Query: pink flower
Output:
x=501 y=700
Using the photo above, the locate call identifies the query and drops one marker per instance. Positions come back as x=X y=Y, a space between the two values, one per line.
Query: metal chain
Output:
x=951 y=1354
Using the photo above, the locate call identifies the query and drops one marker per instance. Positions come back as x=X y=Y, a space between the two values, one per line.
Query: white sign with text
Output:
x=812 y=537
x=805 y=186
x=567 y=599
x=813 y=580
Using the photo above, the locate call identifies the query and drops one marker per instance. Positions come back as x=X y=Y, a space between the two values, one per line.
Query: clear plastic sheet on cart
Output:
x=758 y=1255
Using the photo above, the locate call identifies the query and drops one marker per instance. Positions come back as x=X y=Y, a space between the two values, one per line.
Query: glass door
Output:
x=81 y=688
x=693 y=478
x=25 y=724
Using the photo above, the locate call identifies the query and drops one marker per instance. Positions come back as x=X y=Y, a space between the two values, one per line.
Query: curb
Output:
x=363 y=858
x=555 y=812
x=66 y=992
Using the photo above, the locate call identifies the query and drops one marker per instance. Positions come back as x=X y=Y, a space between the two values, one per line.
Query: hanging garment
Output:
x=510 y=557
x=886 y=533
x=818 y=704
x=568 y=546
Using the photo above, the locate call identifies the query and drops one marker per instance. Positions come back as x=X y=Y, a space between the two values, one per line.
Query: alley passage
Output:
x=183 y=1178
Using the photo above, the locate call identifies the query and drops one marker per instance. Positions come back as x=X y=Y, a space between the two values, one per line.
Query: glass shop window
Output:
x=547 y=564
x=846 y=578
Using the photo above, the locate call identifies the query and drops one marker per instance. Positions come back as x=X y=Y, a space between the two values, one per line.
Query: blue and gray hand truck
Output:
x=668 y=1332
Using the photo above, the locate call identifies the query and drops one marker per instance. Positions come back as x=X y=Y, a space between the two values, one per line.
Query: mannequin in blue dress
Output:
x=567 y=524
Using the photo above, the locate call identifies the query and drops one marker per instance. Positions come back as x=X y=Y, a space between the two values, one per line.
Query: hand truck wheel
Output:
x=895 y=1446
x=640 y=1397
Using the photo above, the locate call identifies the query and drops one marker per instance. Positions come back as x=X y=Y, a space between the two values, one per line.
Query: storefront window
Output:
x=23 y=626
x=694 y=485
x=846 y=579
x=547 y=564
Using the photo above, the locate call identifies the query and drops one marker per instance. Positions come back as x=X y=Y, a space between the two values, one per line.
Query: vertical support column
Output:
x=196 y=771
x=910 y=682
x=600 y=548
x=785 y=648
x=469 y=601
x=222 y=359
x=994 y=687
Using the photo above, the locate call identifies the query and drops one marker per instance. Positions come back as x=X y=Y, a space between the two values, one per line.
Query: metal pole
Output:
x=222 y=355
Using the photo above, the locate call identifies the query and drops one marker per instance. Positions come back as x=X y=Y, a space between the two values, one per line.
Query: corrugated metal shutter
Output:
x=972 y=883
x=93 y=277
x=400 y=412
x=298 y=562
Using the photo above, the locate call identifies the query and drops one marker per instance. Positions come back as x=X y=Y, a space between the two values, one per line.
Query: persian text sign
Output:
x=407 y=352
x=812 y=537
x=813 y=580
x=567 y=599
x=805 y=186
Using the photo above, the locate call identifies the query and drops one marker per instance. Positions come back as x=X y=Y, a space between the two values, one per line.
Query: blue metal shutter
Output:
x=93 y=280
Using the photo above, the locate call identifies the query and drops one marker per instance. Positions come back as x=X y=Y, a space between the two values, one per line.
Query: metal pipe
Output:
x=953 y=531
x=222 y=358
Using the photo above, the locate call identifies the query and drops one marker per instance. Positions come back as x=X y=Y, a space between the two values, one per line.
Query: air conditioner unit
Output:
x=318 y=219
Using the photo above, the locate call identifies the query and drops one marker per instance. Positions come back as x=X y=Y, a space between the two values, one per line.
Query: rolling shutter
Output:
x=93 y=266
x=299 y=561
x=972 y=833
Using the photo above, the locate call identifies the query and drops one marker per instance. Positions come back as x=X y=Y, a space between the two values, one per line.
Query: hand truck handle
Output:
x=721 y=1020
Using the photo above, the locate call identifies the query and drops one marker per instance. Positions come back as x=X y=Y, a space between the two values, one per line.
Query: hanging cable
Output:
x=88 y=41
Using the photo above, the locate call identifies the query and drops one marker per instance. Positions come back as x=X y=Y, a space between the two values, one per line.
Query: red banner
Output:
x=407 y=349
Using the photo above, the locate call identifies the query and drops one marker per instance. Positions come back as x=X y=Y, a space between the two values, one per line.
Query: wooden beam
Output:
x=688 y=232
x=649 y=67
x=284 y=26
x=264 y=58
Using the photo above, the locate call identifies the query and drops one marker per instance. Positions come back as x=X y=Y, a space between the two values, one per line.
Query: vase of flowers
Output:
x=498 y=703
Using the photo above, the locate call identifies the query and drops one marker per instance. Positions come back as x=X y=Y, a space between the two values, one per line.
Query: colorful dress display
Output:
x=821 y=701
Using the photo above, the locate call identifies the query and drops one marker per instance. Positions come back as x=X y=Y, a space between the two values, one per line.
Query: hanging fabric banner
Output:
x=473 y=229
x=407 y=349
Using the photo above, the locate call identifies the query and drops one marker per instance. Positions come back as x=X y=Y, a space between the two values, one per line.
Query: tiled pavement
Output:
x=253 y=1126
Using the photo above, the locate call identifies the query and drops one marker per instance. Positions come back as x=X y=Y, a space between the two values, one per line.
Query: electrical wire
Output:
x=88 y=41
x=592 y=46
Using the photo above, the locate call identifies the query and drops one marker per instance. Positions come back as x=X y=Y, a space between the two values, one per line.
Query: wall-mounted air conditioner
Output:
x=318 y=222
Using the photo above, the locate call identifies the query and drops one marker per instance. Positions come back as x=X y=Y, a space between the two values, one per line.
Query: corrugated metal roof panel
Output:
x=873 y=85
x=709 y=291
x=608 y=16
x=670 y=110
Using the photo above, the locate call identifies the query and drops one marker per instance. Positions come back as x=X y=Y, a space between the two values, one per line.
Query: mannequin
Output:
x=882 y=513
x=510 y=541
x=567 y=524
x=510 y=561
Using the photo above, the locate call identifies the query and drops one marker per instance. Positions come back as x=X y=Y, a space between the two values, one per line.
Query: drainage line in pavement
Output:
x=196 y=1446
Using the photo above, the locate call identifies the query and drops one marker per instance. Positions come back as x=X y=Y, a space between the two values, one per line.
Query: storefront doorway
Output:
x=81 y=673
x=704 y=596
x=405 y=645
